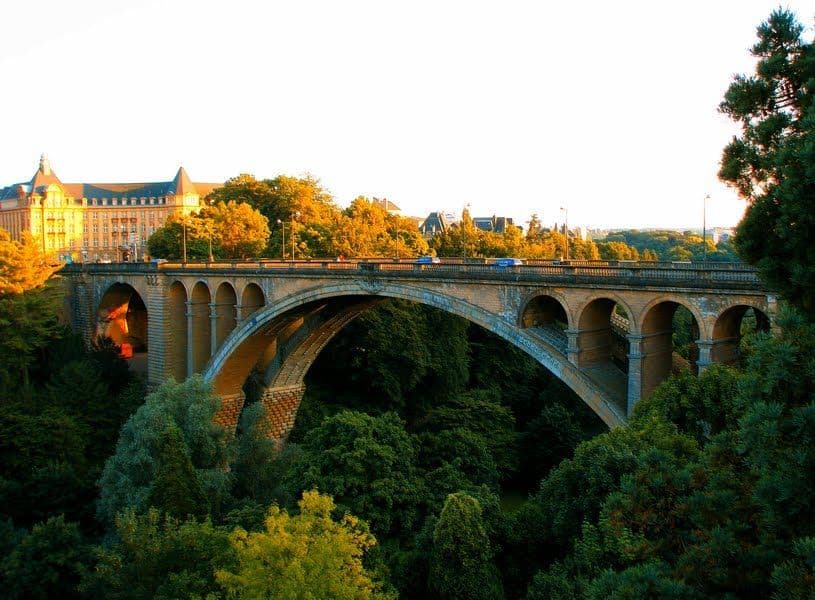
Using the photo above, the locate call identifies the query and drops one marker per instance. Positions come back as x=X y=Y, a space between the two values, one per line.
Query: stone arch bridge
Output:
x=604 y=328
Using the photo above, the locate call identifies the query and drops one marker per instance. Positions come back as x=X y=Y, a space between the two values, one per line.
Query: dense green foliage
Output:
x=158 y=557
x=772 y=163
x=665 y=246
x=305 y=221
x=223 y=230
x=149 y=450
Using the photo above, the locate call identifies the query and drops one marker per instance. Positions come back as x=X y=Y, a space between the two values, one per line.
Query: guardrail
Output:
x=646 y=273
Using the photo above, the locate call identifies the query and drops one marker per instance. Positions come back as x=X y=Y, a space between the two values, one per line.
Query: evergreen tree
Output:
x=175 y=489
x=128 y=477
x=771 y=163
x=462 y=561
x=47 y=562
x=155 y=556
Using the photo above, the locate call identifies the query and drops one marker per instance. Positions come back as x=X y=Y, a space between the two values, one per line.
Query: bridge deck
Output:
x=711 y=276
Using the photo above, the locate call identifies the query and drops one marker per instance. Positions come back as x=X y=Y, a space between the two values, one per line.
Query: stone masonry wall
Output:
x=231 y=406
x=281 y=406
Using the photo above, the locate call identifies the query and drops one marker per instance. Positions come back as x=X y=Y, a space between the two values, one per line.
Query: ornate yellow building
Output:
x=95 y=221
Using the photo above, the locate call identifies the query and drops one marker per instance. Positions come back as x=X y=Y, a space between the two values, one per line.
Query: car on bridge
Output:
x=507 y=262
x=428 y=260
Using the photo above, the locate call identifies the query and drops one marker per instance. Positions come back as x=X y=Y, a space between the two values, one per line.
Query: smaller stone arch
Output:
x=177 y=340
x=656 y=352
x=543 y=308
x=597 y=333
x=252 y=300
x=122 y=317
x=200 y=325
x=226 y=301
x=727 y=331
x=545 y=314
x=680 y=301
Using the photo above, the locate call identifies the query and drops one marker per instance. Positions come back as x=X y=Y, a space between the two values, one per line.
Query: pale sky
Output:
x=606 y=108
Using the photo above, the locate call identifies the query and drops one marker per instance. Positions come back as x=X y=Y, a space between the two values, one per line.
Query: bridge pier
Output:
x=635 y=360
x=573 y=346
x=188 y=315
x=705 y=351
x=213 y=328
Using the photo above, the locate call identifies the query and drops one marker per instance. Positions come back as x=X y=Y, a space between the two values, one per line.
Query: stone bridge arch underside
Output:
x=282 y=340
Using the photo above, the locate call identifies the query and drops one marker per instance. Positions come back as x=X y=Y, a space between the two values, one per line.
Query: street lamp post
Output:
x=184 y=239
x=295 y=215
x=209 y=231
x=566 y=229
x=464 y=232
x=210 y=224
x=704 y=228
x=283 y=243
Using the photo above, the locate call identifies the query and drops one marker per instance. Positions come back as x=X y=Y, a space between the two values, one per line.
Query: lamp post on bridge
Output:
x=704 y=228
x=565 y=212
x=283 y=243
x=294 y=215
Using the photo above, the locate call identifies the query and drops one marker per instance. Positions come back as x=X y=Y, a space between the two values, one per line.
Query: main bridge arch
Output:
x=313 y=316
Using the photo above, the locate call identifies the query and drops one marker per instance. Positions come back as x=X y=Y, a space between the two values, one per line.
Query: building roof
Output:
x=434 y=223
x=387 y=205
x=44 y=176
x=182 y=184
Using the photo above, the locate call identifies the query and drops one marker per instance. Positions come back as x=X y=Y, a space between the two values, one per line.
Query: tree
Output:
x=617 y=251
x=47 y=562
x=462 y=561
x=238 y=229
x=176 y=490
x=772 y=163
x=168 y=241
x=534 y=228
x=28 y=308
x=22 y=265
x=131 y=473
x=480 y=413
x=365 y=228
x=368 y=464
x=794 y=579
x=308 y=555
x=155 y=556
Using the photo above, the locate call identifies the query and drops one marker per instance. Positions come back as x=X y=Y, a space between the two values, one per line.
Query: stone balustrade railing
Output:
x=700 y=275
